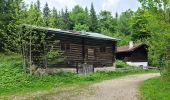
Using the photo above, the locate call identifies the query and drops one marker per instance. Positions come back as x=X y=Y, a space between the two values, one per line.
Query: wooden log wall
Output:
x=80 y=50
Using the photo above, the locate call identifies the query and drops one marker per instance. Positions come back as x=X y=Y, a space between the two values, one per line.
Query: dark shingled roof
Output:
x=127 y=49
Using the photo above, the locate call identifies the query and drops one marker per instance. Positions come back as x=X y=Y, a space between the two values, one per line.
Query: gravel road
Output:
x=124 y=88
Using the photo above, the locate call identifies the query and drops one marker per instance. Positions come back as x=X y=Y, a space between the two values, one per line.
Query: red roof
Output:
x=127 y=49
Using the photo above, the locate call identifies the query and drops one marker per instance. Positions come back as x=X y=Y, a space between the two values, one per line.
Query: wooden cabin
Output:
x=94 y=49
x=133 y=54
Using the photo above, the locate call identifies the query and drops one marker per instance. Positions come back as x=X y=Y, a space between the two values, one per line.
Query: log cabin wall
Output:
x=76 y=50
x=103 y=52
x=86 y=50
x=72 y=49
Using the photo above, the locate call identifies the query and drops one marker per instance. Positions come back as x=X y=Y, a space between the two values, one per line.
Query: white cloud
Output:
x=58 y=4
x=110 y=4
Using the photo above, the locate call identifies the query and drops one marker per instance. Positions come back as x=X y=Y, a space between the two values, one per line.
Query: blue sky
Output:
x=110 y=5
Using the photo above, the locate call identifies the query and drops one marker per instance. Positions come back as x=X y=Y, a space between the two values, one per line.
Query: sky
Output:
x=109 y=5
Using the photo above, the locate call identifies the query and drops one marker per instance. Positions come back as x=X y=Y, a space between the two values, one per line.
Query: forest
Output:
x=149 y=24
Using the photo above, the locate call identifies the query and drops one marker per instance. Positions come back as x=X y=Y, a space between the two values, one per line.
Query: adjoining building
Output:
x=133 y=54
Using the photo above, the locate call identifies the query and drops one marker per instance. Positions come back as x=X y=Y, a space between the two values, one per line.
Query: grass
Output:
x=155 y=89
x=13 y=80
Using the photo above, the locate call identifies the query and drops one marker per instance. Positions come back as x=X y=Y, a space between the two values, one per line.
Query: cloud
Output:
x=58 y=4
x=62 y=3
x=110 y=4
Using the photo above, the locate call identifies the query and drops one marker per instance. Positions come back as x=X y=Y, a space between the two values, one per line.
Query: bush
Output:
x=121 y=64
x=165 y=73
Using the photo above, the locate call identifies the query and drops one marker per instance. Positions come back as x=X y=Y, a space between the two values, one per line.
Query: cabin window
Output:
x=103 y=49
x=65 y=46
x=62 y=46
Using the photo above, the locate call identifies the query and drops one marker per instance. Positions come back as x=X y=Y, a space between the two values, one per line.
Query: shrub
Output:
x=165 y=73
x=121 y=64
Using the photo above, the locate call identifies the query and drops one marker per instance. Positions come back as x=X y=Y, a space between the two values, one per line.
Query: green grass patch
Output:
x=155 y=89
x=121 y=64
x=13 y=80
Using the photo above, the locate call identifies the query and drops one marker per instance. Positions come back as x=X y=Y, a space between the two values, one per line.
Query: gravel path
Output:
x=124 y=88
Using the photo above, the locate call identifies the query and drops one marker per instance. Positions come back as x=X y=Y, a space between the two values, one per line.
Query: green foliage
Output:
x=139 y=25
x=34 y=16
x=54 y=56
x=149 y=24
x=155 y=89
x=152 y=26
x=14 y=80
x=10 y=15
x=107 y=22
x=79 y=27
x=93 y=19
x=121 y=64
x=124 y=22
x=79 y=18
x=165 y=71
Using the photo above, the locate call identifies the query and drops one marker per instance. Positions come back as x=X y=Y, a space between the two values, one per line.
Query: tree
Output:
x=93 y=19
x=124 y=22
x=67 y=20
x=34 y=16
x=80 y=27
x=46 y=14
x=140 y=25
x=154 y=17
x=79 y=18
x=56 y=17
x=87 y=17
x=107 y=22
x=38 y=5
x=10 y=15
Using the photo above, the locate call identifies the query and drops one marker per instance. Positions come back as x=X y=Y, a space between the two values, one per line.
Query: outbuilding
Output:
x=133 y=54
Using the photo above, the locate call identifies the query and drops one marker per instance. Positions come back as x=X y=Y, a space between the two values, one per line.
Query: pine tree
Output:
x=93 y=19
x=56 y=17
x=34 y=16
x=9 y=20
x=66 y=20
x=46 y=13
x=87 y=17
x=61 y=19
x=38 y=4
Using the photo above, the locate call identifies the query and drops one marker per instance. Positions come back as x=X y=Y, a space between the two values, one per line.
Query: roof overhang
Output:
x=74 y=33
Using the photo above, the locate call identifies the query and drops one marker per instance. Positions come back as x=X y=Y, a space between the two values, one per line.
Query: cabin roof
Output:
x=127 y=49
x=75 y=33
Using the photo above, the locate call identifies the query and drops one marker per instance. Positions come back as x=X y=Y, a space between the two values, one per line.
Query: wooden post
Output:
x=30 y=60
x=83 y=49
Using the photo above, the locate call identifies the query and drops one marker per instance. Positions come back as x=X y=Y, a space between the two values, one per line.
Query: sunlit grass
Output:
x=155 y=89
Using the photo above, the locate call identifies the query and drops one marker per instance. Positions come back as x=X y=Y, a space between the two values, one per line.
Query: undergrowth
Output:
x=155 y=89
x=14 y=80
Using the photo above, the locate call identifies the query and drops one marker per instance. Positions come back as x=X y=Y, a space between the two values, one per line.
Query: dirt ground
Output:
x=124 y=88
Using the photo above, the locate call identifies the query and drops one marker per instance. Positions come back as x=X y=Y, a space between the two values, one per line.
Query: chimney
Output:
x=83 y=32
x=130 y=44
